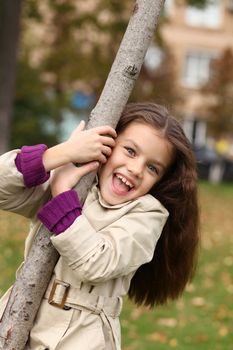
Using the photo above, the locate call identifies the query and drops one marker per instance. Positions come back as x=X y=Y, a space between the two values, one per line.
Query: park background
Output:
x=64 y=54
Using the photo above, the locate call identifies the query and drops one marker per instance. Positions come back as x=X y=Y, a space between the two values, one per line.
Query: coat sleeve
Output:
x=114 y=251
x=14 y=196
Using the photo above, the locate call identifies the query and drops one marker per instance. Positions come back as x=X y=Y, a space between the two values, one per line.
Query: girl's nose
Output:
x=136 y=168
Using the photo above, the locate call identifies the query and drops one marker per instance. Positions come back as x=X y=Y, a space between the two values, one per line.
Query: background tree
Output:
x=220 y=87
x=92 y=34
x=35 y=114
x=10 y=11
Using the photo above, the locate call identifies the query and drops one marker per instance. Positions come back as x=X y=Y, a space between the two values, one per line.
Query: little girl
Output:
x=137 y=232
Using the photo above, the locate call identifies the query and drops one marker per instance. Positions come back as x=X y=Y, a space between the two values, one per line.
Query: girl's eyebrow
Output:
x=134 y=144
x=154 y=160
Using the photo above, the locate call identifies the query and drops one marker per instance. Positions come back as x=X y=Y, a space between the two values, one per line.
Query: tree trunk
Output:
x=31 y=284
x=10 y=11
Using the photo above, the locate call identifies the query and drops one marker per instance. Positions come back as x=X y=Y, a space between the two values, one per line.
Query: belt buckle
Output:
x=64 y=297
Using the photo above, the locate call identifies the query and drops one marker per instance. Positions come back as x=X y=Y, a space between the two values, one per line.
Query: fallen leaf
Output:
x=158 y=337
x=223 y=331
x=173 y=343
x=202 y=338
x=168 y=322
x=198 y=301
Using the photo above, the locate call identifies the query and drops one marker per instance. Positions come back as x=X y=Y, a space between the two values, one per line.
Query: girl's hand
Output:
x=67 y=176
x=83 y=146
x=93 y=144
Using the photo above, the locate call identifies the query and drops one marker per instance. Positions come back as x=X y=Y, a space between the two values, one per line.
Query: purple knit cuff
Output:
x=60 y=212
x=29 y=163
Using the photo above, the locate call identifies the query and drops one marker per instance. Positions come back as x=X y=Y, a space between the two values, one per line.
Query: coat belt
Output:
x=63 y=295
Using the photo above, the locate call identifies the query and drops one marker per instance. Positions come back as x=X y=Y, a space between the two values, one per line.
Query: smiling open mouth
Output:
x=121 y=184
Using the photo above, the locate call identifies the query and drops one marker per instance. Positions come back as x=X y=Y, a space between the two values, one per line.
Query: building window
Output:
x=197 y=68
x=210 y=16
x=195 y=130
x=153 y=59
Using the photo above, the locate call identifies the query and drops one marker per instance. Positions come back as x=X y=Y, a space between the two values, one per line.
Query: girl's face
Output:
x=139 y=159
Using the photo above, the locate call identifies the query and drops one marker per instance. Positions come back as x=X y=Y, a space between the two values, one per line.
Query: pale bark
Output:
x=34 y=277
x=10 y=11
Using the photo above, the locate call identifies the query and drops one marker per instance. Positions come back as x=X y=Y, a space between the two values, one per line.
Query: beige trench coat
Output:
x=99 y=254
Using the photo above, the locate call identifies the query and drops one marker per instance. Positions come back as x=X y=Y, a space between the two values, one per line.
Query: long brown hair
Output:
x=175 y=256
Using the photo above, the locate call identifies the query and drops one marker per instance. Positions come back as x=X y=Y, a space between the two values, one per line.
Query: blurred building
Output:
x=196 y=37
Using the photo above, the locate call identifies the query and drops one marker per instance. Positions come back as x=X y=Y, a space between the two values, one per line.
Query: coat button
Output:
x=65 y=307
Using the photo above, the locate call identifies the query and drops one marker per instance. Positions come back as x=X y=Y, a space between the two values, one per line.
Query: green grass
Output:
x=202 y=318
x=13 y=233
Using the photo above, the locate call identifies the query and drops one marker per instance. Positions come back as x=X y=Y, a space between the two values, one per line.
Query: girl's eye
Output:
x=152 y=168
x=130 y=151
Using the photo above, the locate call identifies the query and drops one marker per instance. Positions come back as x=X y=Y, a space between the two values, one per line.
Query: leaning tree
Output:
x=35 y=275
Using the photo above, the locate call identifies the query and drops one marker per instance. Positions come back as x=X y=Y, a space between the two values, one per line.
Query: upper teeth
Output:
x=123 y=179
